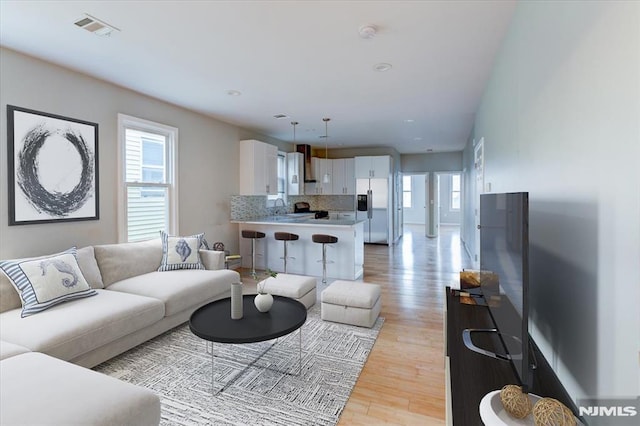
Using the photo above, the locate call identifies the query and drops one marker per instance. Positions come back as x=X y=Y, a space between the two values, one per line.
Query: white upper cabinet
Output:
x=321 y=166
x=343 y=180
x=258 y=168
x=373 y=167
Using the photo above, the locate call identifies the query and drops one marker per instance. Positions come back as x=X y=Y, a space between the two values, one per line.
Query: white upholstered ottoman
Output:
x=351 y=302
x=298 y=287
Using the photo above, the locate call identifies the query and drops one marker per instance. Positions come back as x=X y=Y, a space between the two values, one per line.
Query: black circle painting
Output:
x=54 y=167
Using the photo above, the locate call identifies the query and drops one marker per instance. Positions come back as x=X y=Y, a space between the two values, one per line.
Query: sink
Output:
x=301 y=215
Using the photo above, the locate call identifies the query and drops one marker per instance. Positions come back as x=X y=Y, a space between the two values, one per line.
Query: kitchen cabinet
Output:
x=258 y=168
x=343 y=181
x=373 y=167
x=295 y=168
x=322 y=166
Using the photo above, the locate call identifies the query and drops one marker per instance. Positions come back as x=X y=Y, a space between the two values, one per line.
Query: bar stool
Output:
x=324 y=240
x=254 y=235
x=285 y=236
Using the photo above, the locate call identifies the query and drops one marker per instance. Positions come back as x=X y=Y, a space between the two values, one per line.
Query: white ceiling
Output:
x=304 y=59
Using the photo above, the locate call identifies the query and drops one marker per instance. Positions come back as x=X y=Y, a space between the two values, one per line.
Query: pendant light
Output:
x=294 y=178
x=326 y=178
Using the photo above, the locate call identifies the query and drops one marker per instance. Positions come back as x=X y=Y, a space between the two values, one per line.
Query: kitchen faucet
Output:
x=275 y=206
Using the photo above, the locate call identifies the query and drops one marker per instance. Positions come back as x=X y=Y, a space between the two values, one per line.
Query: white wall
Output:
x=208 y=155
x=561 y=119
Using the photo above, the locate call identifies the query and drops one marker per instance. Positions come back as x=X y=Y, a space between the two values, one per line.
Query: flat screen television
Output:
x=504 y=277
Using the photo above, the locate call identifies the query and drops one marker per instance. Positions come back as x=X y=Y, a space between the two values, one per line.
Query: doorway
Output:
x=447 y=198
x=414 y=199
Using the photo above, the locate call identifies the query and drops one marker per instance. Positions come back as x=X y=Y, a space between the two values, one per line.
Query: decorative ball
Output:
x=551 y=412
x=515 y=402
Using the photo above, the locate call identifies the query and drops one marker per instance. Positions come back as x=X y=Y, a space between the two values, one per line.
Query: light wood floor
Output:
x=402 y=382
x=403 y=379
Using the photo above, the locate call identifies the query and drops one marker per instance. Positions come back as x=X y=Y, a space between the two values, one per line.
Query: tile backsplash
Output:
x=244 y=207
x=326 y=202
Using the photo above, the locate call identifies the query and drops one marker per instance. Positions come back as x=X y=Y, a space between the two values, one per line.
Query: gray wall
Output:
x=208 y=155
x=560 y=119
x=436 y=162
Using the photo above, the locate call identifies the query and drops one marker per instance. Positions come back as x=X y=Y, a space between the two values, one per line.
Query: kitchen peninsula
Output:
x=304 y=255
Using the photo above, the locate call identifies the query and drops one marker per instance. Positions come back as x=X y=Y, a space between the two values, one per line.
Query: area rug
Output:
x=177 y=367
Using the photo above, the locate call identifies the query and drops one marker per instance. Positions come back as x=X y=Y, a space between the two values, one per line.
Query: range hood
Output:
x=306 y=164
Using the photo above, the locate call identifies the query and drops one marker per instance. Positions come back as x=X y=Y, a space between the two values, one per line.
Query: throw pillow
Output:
x=46 y=281
x=180 y=252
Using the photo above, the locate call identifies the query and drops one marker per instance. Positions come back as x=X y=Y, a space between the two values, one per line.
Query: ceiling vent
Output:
x=95 y=26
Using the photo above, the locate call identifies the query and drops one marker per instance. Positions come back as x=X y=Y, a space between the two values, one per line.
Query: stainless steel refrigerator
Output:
x=374 y=207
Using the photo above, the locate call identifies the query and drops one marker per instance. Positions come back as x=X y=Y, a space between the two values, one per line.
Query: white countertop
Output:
x=299 y=219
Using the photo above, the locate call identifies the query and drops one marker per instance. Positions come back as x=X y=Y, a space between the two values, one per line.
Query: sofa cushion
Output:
x=46 y=281
x=89 y=267
x=120 y=261
x=180 y=252
x=179 y=290
x=37 y=389
x=74 y=328
x=8 y=350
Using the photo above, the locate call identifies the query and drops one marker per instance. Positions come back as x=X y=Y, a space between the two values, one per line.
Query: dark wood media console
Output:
x=472 y=375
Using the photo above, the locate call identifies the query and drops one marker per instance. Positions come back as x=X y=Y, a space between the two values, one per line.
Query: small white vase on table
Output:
x=263 y=300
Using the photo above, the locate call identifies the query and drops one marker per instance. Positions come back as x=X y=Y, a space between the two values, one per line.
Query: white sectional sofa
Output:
x=134 y=303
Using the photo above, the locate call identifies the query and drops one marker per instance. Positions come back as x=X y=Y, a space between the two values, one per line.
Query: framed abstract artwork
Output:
x=53 y=167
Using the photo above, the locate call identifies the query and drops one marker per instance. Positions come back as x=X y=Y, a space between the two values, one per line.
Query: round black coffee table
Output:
x=213 y=322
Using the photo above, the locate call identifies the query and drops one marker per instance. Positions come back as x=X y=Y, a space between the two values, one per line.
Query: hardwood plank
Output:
x=403 y=379
x=402 y=382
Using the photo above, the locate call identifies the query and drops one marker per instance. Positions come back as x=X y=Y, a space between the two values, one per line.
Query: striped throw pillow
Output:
x=46 y=281
x=180 y=252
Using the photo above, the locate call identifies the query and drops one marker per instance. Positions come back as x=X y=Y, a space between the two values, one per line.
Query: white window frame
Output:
x=171 y=133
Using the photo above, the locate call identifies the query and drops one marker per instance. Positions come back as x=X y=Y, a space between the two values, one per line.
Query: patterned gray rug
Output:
x=177 y=367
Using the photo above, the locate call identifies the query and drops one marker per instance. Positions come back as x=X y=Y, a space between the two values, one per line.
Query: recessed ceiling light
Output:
x=233 y=93
x=367 y=31
x=382 y=67
x=417 y=138
x=280 y=116
x=409 y=120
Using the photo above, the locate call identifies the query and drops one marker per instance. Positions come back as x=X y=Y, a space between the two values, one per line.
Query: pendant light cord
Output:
x=326 y=178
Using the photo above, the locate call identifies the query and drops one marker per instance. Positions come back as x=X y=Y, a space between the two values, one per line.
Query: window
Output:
x=406 y=192
x=282 y=180
x=147 y=199
x=455 y=192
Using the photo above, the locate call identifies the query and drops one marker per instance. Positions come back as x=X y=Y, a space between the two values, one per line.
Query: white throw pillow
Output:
x=43 y=282
x=180 y=252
